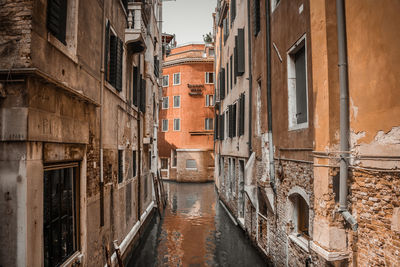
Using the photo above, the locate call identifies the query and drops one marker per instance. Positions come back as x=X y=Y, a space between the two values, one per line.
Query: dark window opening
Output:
x=120 y=166
x=301 y=86
x=57 y=19
x=60 y=214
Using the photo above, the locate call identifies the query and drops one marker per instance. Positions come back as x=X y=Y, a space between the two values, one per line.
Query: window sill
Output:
x=76 y=258
x=300 y=241
x=301 y=126
x=62 y=48
x=191 y=169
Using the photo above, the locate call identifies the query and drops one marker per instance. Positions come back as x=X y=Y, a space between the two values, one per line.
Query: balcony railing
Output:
x=136 y=31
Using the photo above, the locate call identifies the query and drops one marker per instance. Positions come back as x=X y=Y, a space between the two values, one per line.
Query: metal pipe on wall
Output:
x=250 y=79
x=344 y=114
x=269 y=95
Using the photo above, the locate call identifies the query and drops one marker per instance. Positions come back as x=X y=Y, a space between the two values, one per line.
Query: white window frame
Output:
x=188 y=168
x=163 y=79
x=208 y=102
x=173 y=104
x=179 y=75
x=162 y=125
x=291 y=81
x=165 y=97
x=207 y=120
x=177 y=130
x=207 y=79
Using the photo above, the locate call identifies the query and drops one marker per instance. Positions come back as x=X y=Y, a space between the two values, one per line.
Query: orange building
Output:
x=186 y=130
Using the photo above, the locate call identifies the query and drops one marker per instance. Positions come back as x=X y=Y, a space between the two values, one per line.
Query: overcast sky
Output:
x=189 y=20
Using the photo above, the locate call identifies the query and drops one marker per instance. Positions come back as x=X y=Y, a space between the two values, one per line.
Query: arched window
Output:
x=300 y=216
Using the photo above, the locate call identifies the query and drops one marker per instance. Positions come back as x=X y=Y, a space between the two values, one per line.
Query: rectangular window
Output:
x=191 y=164
x=174 y=160
x=57 y=19
x=256 y=16
x=241 y=114
x=165 y=81
x=233 y=10
x=113 y=59
x=164 y=164
x=177 y=78
x=209 y=124
x=165 y=102
x=164 y=126
x=60 y=214
x=231 y=74
x=135 y=85
x=177 y=101
x=177 y=124
x=297 y=86
x=211 y=52
x=120 y=166
x=134 y=163
x=209 y=77
x=209 y=100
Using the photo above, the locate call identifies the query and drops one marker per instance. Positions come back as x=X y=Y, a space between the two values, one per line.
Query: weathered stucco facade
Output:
x=292 y=208
x=186 y=128
x=71 y=107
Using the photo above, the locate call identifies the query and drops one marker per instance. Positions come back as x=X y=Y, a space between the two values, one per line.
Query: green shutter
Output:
x=120 y=52
x=135 y=87
x=106 y=49
x=113 y=61
x=241 y=66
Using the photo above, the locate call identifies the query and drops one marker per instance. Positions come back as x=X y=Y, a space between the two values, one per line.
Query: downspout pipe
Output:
x=344 y=114
x=269 y=95
x=250 y=79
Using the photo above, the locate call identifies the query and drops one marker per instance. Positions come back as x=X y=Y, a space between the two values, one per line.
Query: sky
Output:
x=189 y=20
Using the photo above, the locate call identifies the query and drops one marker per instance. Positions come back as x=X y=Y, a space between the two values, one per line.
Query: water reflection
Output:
x=195 y=231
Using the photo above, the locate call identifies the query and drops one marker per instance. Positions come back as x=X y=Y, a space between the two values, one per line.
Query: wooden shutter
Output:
x=113 y=60
x=235 y=55
x=222 y=87
x=240 y=53
x=135 y=85
x=230 y=108
x=57 y=19
x=222 y=127
x=256 y=16
x=106 y=49
x=233 y=10
x=120 y=166
x=301 y=88
x=216 y=121
x=120 y=52
x=156 y=66
x=241 y=114
x=143 y=95
x=234 y=126
x=231 y=76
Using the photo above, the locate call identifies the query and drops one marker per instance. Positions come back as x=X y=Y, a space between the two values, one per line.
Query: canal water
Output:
x=194 y=231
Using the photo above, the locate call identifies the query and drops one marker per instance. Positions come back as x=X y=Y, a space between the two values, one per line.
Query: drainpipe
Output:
x=269 y=100
x=250 y=79
x=344 y=114
x=139 y=151
x=101 y=117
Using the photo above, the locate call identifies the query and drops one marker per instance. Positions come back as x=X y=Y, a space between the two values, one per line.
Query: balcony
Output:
x=195 y=89
x=136 y=32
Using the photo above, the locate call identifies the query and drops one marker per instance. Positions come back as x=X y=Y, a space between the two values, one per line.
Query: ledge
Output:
x=300 y=241
x=329 y=255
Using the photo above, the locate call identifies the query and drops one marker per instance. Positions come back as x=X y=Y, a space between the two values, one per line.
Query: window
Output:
x=232 y=120
x=60 y=214
x=120 y=166
x=165 y=81
x=222 y=84
x=231 y=74
x=177 y=101
x=297 y=86
x=113 y=58
x=135 y=85
x=221 y=126
x=211 y=52
x=174 y=158
x=209 y=100
x=134 y=163
x=57 y=19
x=164 y=126
x=300 y=214
x=165 y=102
x=209 y=124
x=191 y=164
x=177 y=78
x=177 y=124
x=233 y=10
x=256 y=16
x=164 y=164
x=240 y=53
x=241 y=114
x=209 y=77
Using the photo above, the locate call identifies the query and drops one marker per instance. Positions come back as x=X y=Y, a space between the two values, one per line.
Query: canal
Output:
x=194 y=231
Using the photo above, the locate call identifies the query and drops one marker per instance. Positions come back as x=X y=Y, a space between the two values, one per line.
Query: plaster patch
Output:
x=353 y=108
x=354 y=137
x=390 y=138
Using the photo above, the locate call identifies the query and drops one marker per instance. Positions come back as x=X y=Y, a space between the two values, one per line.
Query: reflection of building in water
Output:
x=190 y=232
x=186 y=117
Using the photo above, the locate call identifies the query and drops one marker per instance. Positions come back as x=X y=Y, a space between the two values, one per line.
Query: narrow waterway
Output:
x=194 y=231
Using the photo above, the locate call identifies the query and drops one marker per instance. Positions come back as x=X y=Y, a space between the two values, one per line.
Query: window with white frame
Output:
x=165 y=102
x=209 y=124
x=209 y=77
x=191 y=164
x=177 y=101
x=299 y=215
x=177 y=78
x=177 y=124
x=209 y=100
x=164 y=163
x=165 y=81
x=297 y=85
x=164 y=126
